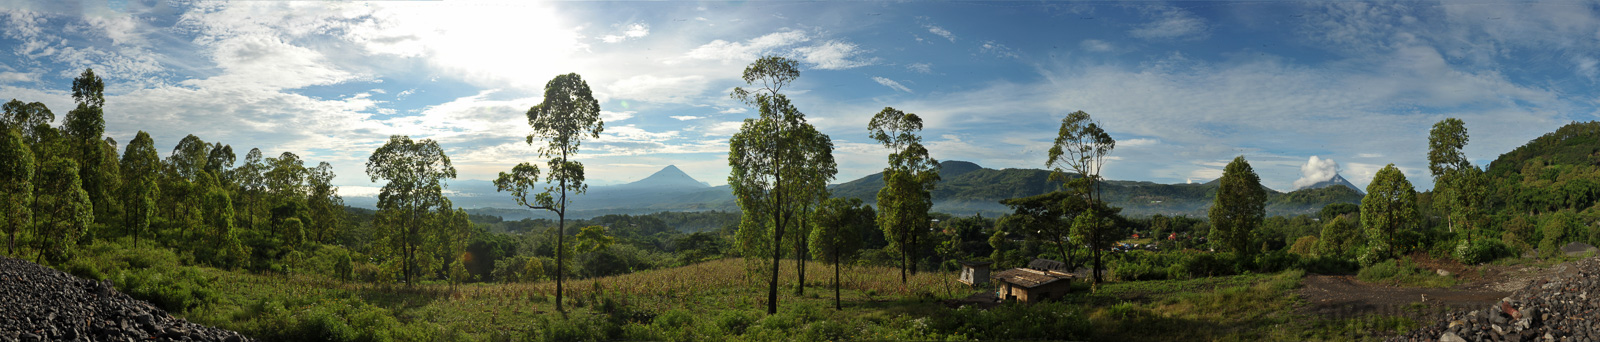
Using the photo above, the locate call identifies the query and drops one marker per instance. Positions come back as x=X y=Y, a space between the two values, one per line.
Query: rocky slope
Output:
x=1561 y=307
x=42 y=304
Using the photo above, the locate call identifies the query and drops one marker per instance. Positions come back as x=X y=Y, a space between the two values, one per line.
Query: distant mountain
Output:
x=669 y=189
x=668 y=178
x=964 y=188
x=1336 y=180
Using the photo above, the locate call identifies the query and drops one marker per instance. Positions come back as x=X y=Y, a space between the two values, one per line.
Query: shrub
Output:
x=1305 y=246
x=734 y=322
x=1481 y=250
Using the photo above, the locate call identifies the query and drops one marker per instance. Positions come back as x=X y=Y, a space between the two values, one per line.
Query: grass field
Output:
x=715 y=300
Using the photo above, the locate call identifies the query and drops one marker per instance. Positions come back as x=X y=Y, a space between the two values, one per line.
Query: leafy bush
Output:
x=176 y=289
x=1481 y=250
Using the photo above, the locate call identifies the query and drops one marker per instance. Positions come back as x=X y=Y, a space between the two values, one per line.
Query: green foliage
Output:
x=780 y=163
x=1481 y=250
x=1239 y=207
x=140 y=166
x=1387 y=213
x=26 y=118
x=62 y=210
x=1304 y=246
x=1340 y=238
x=16 y=185
x=1082 y=145
x=415 y=170
x=1557 y=230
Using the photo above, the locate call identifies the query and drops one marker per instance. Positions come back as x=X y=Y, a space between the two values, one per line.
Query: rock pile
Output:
x=1562 y=307
x=42 y=304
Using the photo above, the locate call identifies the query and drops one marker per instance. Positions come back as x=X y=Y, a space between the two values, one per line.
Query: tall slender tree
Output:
x=909 y=180
x=1458 y=189
x=140 y=165
x=1239 y=207
x=327 y=207
x=83 y=128
x=415 y=171
x=774 y=158
x=1081 y=146
x=16 y=185
x=568 y=114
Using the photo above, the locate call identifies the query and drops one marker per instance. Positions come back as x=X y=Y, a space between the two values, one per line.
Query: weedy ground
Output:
x=718 y=300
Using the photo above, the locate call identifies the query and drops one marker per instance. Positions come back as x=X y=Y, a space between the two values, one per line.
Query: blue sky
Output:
x=1299 y=88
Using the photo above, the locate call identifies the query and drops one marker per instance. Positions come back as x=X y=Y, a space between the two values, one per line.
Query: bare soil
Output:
x=1344 y=296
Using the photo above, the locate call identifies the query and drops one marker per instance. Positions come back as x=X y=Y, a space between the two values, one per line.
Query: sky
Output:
x=1301 y=89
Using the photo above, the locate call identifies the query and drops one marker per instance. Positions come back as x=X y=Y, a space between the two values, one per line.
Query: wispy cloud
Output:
x=1170 y=23
x=925 y=68
x=891 y=84
x=941 y=32
x=1096 y=45
x=630 y=31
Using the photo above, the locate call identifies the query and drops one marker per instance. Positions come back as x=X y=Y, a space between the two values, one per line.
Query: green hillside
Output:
x=966 y=188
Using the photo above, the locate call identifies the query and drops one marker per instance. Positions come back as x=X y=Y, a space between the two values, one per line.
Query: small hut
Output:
x=1041 y=280
x=974 y=272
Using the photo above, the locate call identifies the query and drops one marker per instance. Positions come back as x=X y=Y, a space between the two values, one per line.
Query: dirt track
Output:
x=1344 y=295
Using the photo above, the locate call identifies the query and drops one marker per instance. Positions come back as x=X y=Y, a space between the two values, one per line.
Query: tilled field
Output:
x=1560 y=307
x=42 y=304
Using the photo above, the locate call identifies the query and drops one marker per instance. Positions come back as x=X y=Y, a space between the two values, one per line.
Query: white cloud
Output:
x=1316 y=170
x=734 y=110
x=1096 y=45
x=264 y=61
x=686 y=117
x=833 y=55
x=891 y=84
x=997 y=49
x=651 y=88
x=726 y=51
x=630 y=31
x=1586 y=66
x=610 y=116
x=925 y=68
x=826 y=55
x=941 y=32
x=720 y=129
x=1171 y=23
x=1369 y=155
x=1138 y=142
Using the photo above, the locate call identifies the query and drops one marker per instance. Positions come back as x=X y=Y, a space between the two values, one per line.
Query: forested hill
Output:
x=1576 y=143
x=1551 y=173
x=966 y=188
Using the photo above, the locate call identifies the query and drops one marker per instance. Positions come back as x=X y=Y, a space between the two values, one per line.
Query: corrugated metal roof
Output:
x=1028 y=278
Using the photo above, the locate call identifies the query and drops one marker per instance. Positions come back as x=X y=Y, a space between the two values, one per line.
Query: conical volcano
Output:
x=669 y=177
x=1336 y=180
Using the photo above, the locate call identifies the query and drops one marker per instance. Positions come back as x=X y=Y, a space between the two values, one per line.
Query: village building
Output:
x=974 y=272
x=1042 y=280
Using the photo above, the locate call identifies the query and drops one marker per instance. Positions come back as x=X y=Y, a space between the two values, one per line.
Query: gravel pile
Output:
x=43 y=304
x=1561 y=307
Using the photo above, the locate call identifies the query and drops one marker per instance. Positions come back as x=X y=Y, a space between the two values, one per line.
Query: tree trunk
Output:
x=800 y=259
x=836 y=305
x=777 y=246
x=561 y=232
